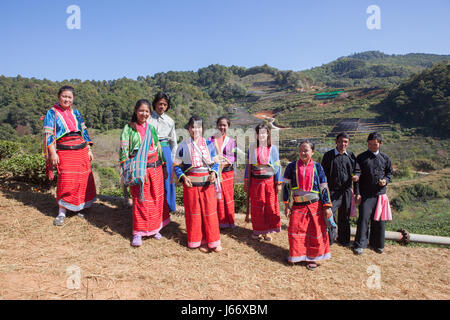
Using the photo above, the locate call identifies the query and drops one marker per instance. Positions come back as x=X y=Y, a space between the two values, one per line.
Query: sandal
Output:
x=203 y=249
x=256 y=236
x=217 y=249
x=311 y=265
x=267 y=238
x=59 y=221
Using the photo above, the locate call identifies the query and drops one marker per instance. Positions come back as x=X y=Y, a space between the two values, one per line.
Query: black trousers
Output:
x=374 y=236
x=342 y=201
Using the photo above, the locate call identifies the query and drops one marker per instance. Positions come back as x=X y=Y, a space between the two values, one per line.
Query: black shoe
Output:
x=379 y=250
x=358 y=251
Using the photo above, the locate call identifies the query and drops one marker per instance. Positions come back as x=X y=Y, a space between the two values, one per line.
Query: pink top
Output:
x=262 y=155
x=68 y=117
x=141 y=129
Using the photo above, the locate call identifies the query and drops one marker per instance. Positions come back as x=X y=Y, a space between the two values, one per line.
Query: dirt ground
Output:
x=41 y=261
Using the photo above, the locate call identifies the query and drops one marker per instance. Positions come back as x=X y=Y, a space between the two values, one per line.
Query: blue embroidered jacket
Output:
x=61 y=127
x=319 y=185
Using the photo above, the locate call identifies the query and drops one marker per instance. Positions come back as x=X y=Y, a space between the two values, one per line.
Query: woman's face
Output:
x=262 y=136
x=305 y=152
x=222 y=126
x=66 y=99
x=142 y=113
x=196 y=130
x=161 y=106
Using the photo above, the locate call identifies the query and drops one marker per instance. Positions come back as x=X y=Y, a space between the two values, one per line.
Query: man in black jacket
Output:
x=376 y=173
x=341 y=169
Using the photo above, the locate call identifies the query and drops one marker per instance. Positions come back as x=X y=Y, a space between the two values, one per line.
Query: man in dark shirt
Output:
x=376 y=173
x=341 y=169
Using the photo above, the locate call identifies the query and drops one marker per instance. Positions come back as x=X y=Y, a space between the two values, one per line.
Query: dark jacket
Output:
x=373 y=168
x=339 y=169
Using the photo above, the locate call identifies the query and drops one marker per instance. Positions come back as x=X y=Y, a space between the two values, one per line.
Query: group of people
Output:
x=314 y=194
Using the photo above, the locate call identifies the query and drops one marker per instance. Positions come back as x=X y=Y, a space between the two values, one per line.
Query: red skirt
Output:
x=202 y=224
x=264 y=206
x=308 y=237
x=225 y=206
x=147 y=215
x=75 y=188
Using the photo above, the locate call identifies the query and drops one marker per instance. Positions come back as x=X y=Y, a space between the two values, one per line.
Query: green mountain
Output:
x=422 y=101
x=371 y=68
x=210 y=92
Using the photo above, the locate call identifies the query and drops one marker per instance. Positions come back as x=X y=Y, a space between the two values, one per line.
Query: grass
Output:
x=35 y=256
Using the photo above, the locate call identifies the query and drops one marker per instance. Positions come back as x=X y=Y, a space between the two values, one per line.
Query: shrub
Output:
x=26 y=167
x=417 y=192
x=8 y=149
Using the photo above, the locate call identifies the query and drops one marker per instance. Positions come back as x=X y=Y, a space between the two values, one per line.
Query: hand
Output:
x=91 y=156
x=355 y=178
x=279 y=187
x=187 y=181
x=382 y=182
x=287 y=211
x=54 y=159
x=358 y=200
x=212 y=177
x=165 y=174
x=327 y=212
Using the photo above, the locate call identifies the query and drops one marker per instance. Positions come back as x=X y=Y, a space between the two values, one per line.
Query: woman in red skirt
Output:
x=197 y=166
x=68 y=149
x=226 y=150
x=305 y=182
x=148 y=198
x=263 y=182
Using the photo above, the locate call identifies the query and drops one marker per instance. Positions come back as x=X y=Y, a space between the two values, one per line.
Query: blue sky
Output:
x=134 y=38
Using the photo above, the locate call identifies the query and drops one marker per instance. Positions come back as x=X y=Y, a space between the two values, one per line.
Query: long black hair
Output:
x=66 y=88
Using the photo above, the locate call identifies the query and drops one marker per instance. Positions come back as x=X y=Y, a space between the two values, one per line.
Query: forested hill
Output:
x=372 y=68
x=209 y=92
x=422 y=101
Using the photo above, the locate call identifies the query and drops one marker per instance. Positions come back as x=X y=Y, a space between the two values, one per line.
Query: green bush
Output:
x=417 y=192
x=8 y=149
x=109 y=178
x=26 y=167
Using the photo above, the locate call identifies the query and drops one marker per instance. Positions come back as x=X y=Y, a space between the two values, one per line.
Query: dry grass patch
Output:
x=34 y=256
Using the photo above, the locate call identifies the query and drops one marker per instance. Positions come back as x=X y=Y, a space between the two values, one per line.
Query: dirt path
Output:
x=36 y=259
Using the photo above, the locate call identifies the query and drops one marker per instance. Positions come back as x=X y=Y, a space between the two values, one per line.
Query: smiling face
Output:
x=342 y=144
x=142 y=113
x=262 y=136
x=66 y=99
x=196 y=130
x=222 y=126
x=161 y=106
x=305 y=152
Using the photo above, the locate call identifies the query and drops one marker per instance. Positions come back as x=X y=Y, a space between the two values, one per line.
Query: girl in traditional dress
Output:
x=263 y=182
x=196 y=165
x=68 y=149
x=147 y=212
x=165 y=128
x=226 y=150
x=306 y=183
